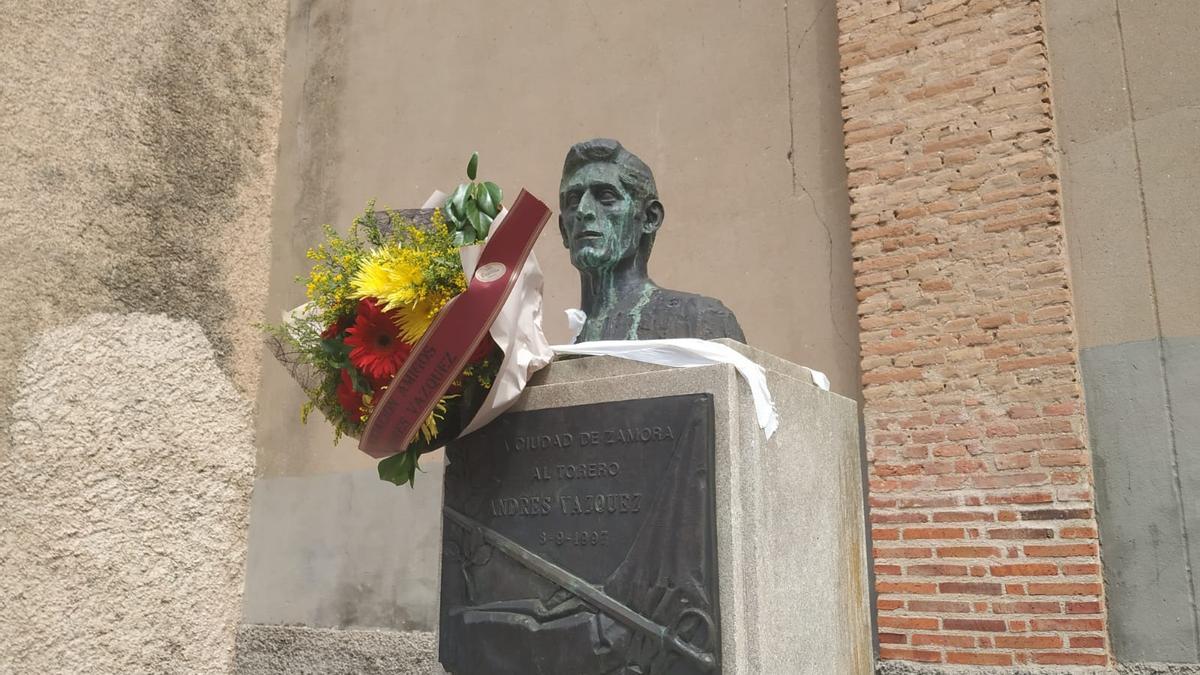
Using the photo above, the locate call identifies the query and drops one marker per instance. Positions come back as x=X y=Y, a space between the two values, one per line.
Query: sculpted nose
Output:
x=586 y=211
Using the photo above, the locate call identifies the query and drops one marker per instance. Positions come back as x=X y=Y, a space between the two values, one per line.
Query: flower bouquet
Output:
x=379 y=307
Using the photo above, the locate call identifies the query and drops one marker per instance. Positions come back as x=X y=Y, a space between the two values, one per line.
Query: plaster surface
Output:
x=1128 y=119
x=1146 y=493
x=138 y=143
x=124 y=493
x=364 y=552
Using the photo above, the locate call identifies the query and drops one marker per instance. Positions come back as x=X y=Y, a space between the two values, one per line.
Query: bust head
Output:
x=608 y=206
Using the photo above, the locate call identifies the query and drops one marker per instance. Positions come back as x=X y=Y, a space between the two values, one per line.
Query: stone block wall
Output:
x=985 y=541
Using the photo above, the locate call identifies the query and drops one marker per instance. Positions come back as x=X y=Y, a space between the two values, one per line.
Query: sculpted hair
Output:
x=635 y=175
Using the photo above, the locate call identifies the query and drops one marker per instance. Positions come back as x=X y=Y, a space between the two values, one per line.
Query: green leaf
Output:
x=473 y=214
x=337 y=352
x=460 y=238
x=398 y=469
x=484 y=198
x=472 y=165
x=483 y=226
x=468 y=235
x=495 y=192
x=455 y=202
x=361 y=385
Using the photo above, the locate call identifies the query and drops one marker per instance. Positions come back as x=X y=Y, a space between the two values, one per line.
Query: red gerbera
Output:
x=335 y=329
x=350 y=400
x=376 y=347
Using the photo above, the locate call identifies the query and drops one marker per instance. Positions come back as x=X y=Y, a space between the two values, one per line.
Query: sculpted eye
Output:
x=607 y=196
x=573 y=199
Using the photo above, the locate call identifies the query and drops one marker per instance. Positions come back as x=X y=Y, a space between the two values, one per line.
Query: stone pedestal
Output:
x=791 y=551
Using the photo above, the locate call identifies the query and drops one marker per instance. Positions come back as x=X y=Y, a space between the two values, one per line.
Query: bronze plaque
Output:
x=581 y=541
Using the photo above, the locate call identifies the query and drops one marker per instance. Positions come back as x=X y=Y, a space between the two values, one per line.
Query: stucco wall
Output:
x=735 y=107
x=1127 y=98
x=138 y=143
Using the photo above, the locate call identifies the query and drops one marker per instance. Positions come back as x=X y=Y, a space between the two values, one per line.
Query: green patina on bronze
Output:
x=609 y=216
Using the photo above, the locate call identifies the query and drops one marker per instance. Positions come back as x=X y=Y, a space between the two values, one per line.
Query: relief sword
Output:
x=588 y=593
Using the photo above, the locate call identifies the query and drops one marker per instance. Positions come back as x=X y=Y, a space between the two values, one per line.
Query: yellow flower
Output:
x=429 y=426
x=389 y=276
x=414 y=320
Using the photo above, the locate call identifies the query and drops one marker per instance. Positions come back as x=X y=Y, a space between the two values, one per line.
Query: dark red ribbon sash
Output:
x=454 y=334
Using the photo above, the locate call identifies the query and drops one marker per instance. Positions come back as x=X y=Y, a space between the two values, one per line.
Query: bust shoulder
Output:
x=676 y=314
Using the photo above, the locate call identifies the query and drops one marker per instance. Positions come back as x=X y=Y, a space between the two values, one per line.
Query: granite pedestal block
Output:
x=791 y=558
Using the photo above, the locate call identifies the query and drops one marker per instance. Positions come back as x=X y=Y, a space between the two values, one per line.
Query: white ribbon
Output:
x=687 y=353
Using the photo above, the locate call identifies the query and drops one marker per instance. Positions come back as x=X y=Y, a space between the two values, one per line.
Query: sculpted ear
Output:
x=654 y=214
x=562 y=229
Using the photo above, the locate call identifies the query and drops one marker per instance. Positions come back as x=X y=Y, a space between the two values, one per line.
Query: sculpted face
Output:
x=600 y=221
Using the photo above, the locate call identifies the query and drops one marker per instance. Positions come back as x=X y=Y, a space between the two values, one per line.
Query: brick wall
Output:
x=980 y=479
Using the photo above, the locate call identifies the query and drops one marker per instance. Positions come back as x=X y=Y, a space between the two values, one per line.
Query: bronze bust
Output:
x=609 y=216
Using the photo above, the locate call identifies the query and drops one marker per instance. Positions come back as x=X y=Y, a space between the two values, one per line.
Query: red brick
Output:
x=1088 y=641
x=939 y=606
x=968 y=552
x=1064 y=589
x=980 y=658
x=1025 y=570
x=906 y=622
x=1057 y=514
x=937 y=570
x=970 y=588
x=1062 y=458
x=885 y=376
x=1029 y=642
x=926 y=502
x=1008 y=462
x=992 y=625
x=885 y=534
x=1036 y=362
x=1009 y=480
x=926 y=640
x=933 y=533
x=1057 y=409
x=1060 y=550
x=906 y=517
x=903 y=654
x=1083 y=607
x=1020 y=533
x=873 y=133
x=1069 y=659
x=1069 y=625
x=905 y=587
x=1021 y=498
x=892 y=639
x=902 y=552
x=1026 y=607
x=963 y=516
